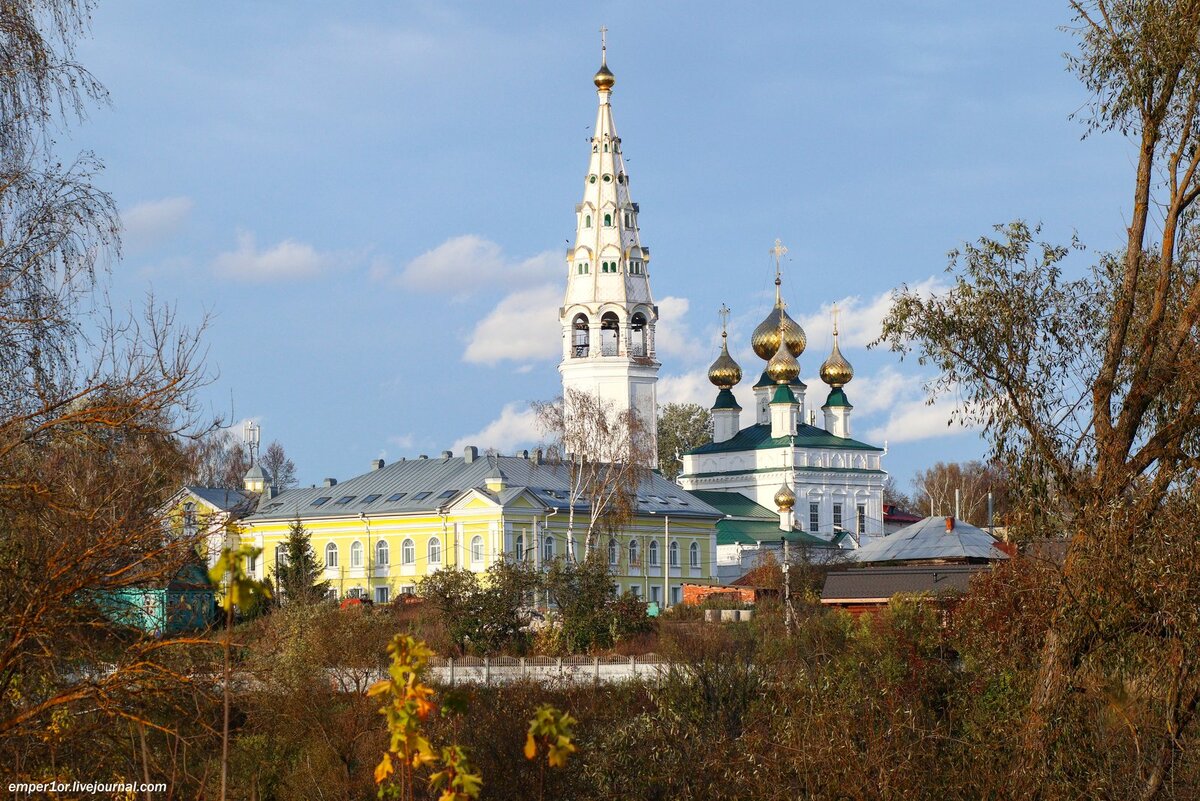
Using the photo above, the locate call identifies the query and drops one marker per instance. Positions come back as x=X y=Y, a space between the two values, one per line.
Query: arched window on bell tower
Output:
x=579 y=336
x=610 y=334
x=638 y=345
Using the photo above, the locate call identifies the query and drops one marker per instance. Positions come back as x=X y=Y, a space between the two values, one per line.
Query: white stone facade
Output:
x=608 y=315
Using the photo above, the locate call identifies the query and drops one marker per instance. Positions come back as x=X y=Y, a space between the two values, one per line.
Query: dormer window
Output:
x=608 y=221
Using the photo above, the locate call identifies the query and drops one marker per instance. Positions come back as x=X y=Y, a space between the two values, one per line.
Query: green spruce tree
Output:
x=298 y=579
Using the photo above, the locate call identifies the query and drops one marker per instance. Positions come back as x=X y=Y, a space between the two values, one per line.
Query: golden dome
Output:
x=604 y=79
x=724 y=372
x=785 y=499
x=765 y=339
x=836 y=371
x=783 y=367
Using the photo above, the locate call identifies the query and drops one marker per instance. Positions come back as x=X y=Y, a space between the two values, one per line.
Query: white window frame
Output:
x=477 y=550
x=694 y=554
x=383 y=553
x=434 y=551
x=356 y=554
x=652 y=553
x=331 y=549
x=408 y=552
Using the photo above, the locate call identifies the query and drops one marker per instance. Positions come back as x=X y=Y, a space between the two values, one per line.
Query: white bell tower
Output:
x=608 y=316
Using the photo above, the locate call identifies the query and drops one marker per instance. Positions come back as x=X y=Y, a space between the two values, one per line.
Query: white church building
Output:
x=781 y=476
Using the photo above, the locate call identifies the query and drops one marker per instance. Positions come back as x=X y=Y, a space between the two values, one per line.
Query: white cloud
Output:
x=913 y=420
x=464 y=264
x=689 y=387
x=154 y=221
x=672 y=335
x=287 y=260
x=522 y=326
x=516 y=426
x=401 y=441
x=859 y=322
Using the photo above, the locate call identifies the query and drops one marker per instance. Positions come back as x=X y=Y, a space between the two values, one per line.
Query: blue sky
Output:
x=373 y=199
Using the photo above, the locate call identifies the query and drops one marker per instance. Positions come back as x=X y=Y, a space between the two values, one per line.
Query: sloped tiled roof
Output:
x=928 y=540
x=424 y=485
x=224 y=499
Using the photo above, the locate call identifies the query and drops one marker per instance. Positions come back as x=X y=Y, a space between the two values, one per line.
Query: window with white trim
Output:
x=694 y=554
x=814 y=517
x=382 y=553
x=435 y=551
x=331 y=555
x=356 y=554
x=477 y=549
x=408 y=553
x=653 y=553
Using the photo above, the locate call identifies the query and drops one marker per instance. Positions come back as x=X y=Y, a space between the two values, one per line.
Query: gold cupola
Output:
x=783 y=367
x=785 y=499
x=604 y=79
x=724 y=372
x=778 y=326
x=836 y=371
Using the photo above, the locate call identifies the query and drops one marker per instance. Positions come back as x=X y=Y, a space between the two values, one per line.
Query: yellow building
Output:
x=379 y=533
x=210 y=515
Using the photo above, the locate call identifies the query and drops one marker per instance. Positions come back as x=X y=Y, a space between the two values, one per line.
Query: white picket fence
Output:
x=566 y=669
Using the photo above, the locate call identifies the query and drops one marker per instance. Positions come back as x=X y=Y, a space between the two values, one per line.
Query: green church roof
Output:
x=725 y=400
x=783 y=394
x=758 y=437
x=837 y=398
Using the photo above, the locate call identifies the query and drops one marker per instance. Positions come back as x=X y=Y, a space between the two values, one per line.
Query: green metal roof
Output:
x=838 y=398
x=725 y=400
x=758 y=437
x=735 y=504
x=751 y=532
x=765 y=381
x=783 y=394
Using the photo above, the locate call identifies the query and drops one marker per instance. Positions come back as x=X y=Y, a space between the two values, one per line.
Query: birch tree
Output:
x=606 y=453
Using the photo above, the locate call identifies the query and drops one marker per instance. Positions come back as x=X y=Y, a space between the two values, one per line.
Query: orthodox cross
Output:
x=778 y=251
x=723 y=312
x=835 y=319
x=603 y=43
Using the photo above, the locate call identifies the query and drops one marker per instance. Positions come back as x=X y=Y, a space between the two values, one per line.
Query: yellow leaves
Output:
x=553 y=729
x=229 y=573
x=456 y=779
x=384 y=768
x=379 y=688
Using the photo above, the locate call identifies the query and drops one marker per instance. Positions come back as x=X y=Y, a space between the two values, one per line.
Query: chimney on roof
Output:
x=446 y=455
x=537 y=456
x=331 y=482
x=376 y=464
x=470 y=454
x=949 y=525
x=422 y=457
x=524 y=454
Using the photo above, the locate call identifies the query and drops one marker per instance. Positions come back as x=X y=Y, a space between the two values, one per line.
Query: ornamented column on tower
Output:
x=776 y=328
x=608 y=315
x=837 y=373
x=724 y=374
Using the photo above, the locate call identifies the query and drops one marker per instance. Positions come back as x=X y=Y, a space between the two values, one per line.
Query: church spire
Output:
x=837 y=373
x=608 y=315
